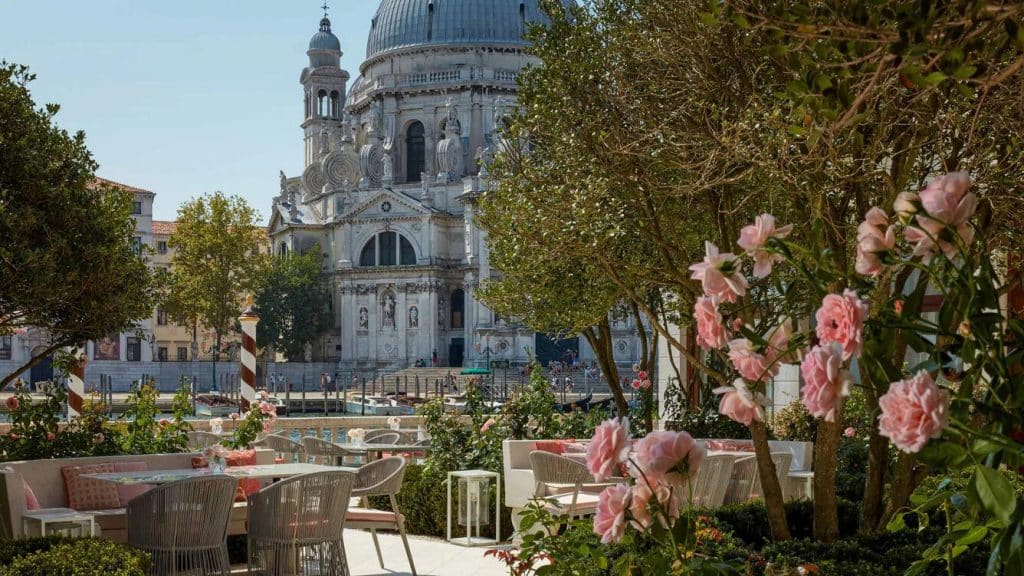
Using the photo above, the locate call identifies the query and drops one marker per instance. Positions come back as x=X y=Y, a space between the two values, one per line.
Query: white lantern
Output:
x=473 y=493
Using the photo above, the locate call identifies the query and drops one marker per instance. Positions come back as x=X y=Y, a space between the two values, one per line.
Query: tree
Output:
x=217 y=261
x=292 y=303
x=67 y=258
x=657 y=124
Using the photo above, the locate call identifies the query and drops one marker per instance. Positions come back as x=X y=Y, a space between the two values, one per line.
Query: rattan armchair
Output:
x=201 y=440
x=184 y=525
x=384 y=436
x=296 y=526
x=380 y=478
x=746 y=482
x=325 y=452
x=711 y=483
x=289 y=449
x=567 y=486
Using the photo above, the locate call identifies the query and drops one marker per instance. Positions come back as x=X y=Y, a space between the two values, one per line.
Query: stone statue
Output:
x=325 y=140
x=389 y=169
x=307 y=351
x=364 y=319
x=484 y=159
x=414 y=317
x=388 y=306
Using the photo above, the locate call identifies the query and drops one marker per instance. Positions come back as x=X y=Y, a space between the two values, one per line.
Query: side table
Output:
x=473 y=488
x=58 y=520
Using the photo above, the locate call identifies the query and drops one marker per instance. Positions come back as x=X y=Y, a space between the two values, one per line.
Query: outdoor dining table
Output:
x=372 y=449
x=258 y=472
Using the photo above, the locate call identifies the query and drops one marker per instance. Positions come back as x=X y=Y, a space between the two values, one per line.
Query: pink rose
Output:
x=850 y=432
x=610 y=519
x=668 y=495
x=875 y=237
x=754 y=238
x=740 y=404
x=906 y=206
x=719 y=275
x=948 y=198
x=487 y=425
x=268 y=408
x=778 y=343
x=841 y=320
x=639 y=384
x=825 y=383
x=913 y=411
x=234 y=416
x=608 y=448
x=50 y=436
x=164 y=423
x=663 y=452
x=12 y=403
x=947 y=202
x=711 y=332
x=268 y=426
x=749 y=363
x=98 y=438
x=14 y=436
x=642 y=375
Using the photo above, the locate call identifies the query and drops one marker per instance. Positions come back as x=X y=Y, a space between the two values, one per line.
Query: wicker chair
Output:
x=325 y=452
x=288 y=449
x=565 y=484
x=184 y=525
x=200 y=440
x=387 y=437
x=746 y=482
x=296 y=526
x=380 y=478
x=712 y=481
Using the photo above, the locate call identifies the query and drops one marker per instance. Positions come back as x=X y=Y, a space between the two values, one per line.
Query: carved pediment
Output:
x=386 y=204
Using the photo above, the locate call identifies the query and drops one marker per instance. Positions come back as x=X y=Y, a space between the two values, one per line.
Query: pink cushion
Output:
x=247 y=486
x=574 y=448
x=552 y=446
x=31 y=502
x=369 y=515
x=127 y=493
x=89 y=494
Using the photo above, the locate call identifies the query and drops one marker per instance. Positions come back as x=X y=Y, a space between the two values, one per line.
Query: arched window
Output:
x=458 y=309
x=387 y=249
x=335 y=104
x=322 y=104
x=415 y=152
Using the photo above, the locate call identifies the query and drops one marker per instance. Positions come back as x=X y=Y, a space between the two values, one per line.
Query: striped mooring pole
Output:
x=76 y=384
x=248 y=319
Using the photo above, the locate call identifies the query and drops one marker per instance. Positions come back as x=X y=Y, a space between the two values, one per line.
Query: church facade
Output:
x=393 y=172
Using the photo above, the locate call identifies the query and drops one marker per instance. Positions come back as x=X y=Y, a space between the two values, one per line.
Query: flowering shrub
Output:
x=140 y=431
x=258 y=420
x=957 y=408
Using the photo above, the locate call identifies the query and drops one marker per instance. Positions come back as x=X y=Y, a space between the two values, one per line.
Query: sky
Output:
x=181 y=97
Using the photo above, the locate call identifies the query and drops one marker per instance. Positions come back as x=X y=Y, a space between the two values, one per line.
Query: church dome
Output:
x=406 y=23
x=325 y=39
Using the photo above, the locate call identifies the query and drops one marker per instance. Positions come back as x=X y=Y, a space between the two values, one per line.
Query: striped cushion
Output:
x=370 y=515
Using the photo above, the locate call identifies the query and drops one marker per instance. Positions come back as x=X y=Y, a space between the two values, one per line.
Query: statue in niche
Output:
x=442 y=305
x=389 y=169
x=414 y=317
x=364 y=319
x=388 y=308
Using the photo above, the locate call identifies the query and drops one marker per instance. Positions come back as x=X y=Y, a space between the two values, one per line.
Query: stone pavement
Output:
x=433 y=557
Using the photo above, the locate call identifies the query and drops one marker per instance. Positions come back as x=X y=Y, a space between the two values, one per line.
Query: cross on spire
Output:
x=326 y=8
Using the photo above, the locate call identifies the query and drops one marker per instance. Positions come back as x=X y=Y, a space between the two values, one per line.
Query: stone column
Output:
x=373 y=307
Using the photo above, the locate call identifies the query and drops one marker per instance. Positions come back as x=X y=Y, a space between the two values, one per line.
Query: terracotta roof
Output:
x=120 y=185
x=164 y=228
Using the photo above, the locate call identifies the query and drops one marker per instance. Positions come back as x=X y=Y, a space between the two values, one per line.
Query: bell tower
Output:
x=323 y=86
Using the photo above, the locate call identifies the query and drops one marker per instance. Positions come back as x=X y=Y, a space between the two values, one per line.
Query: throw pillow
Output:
x=86 y=493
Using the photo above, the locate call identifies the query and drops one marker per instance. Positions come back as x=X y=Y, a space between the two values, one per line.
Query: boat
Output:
x=215 y=405
x=371 y=406
x=407 y=404
x=459 y=405
x=280 y=405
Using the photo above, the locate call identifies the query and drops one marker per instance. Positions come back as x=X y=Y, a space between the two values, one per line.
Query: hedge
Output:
x=57 y=556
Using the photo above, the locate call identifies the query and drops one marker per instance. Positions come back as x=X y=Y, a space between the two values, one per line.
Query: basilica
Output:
x=394 y=168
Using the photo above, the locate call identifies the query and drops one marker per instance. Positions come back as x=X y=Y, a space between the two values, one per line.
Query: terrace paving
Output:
x=433 y=557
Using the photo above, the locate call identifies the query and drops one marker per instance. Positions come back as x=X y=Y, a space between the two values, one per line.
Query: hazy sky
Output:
x=180 y=97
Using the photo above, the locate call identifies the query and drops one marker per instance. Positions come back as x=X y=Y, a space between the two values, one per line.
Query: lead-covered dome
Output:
x=325 y=39
x=405 y=23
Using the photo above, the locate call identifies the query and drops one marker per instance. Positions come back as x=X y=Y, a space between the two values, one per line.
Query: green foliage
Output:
x=423 y=502
x=67 y=260
x=708 y=423
x=794 y=423
x=143 y=433
x=217 y=261
x=748 y=522
x=67 y=557
x=292 y=302
x=258 y=420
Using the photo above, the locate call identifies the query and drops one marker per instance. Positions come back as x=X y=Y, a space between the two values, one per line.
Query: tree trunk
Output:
x=32 y=363
x=770 y=483
x=647 y=365
x=605 y=354
x=878 y=464
x=907 y=476
x=826 y=457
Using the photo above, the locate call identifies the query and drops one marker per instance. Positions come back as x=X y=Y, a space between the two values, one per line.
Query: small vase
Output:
x=216 y=428
x=396 y=426
x=218 y=466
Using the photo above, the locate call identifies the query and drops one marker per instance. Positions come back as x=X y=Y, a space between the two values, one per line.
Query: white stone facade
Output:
x=388 y=192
